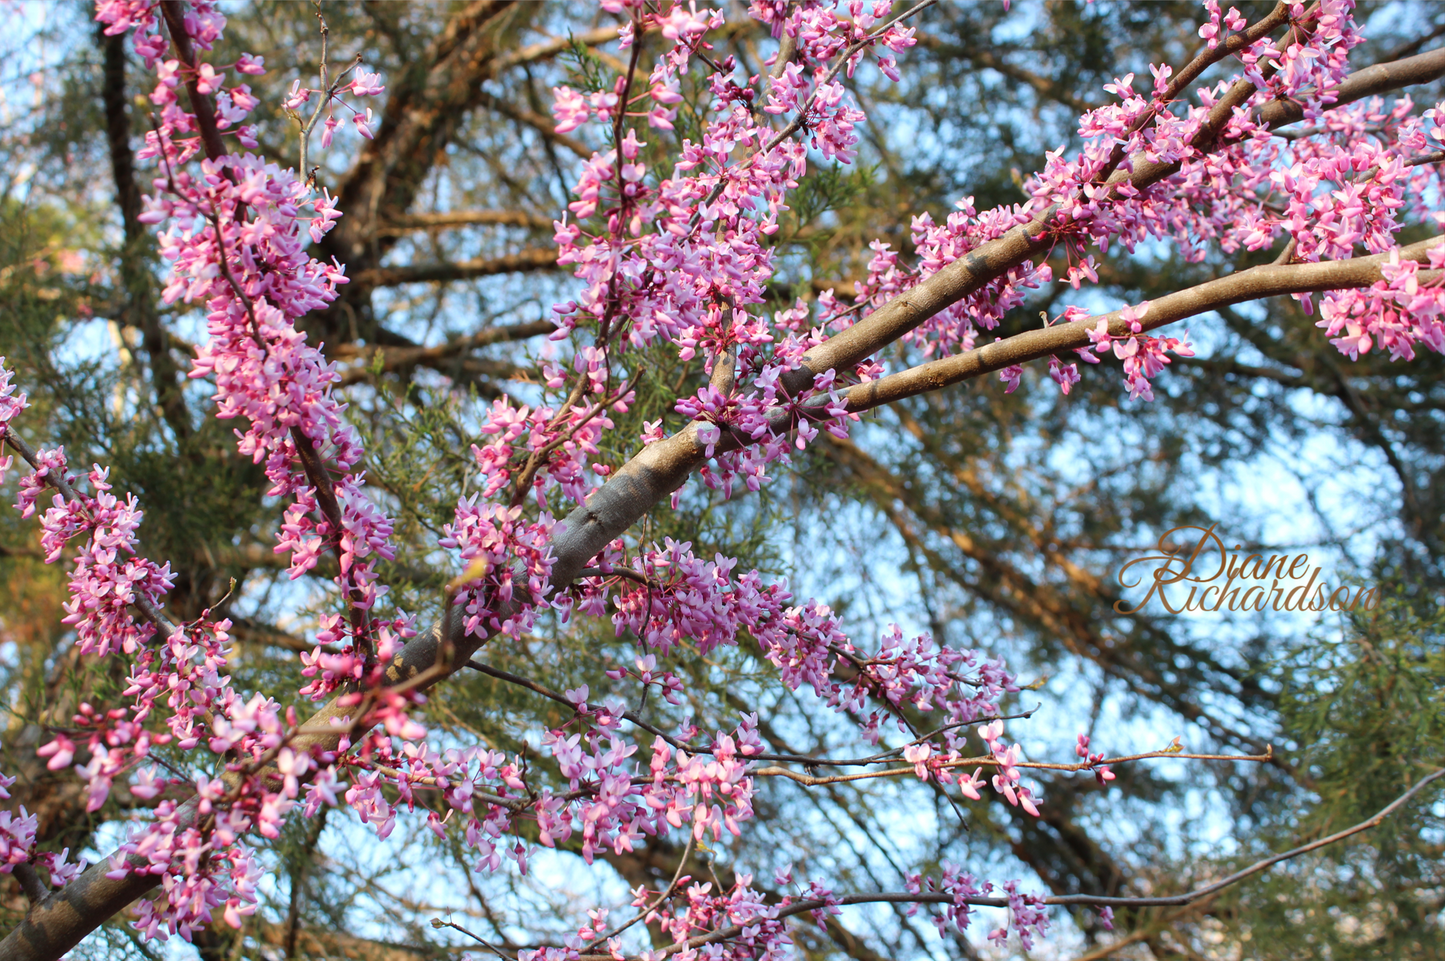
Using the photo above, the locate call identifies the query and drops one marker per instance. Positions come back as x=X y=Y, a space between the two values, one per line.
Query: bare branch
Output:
x=399 y=226
x=1252 y=284
x=551 y=48
x=996 y=61
x=393 y=358
x=541 y=123
x=533 y=258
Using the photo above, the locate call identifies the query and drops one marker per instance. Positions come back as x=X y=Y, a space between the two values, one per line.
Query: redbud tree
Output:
x=669 y=255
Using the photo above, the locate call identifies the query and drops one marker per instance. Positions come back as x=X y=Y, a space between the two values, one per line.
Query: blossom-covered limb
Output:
x=1245 y=285
x=994 y=258
x=174 y=12
x=1371 y=81
x=882 y=757
x=806 y=905
x=661 y=467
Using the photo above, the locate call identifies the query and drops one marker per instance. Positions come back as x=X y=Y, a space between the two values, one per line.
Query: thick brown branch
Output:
x=425 y=109
x=175 y=16
x=393 y=358
x=399 y=226
x=399 y=357
x=533 y=258
x=995 y=60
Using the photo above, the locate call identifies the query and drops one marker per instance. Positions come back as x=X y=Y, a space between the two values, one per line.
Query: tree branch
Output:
x=803 y=906
x=1369 y=82
x=533 y=258
x=399 y=226
x=393 y=358
x=1252 y=284
x=993 y=259
x=30 y=882
x=551 y=48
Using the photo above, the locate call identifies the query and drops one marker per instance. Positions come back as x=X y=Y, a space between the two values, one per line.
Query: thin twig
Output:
x=439 y=923
x=666 y=893
x=809 y=780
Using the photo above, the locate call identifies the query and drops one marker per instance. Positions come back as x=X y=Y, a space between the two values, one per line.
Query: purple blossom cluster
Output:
x=679 y=258
x=1234 y=184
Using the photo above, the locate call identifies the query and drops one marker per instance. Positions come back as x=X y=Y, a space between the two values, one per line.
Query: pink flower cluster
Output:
x=955 y=328
x=681 y=258
x=17 y=844
x=107 y=578
x=611 y=802
x=764 y=936
x=957 y=882
x=236 y=241
x=1026 y=916
x=11 y=404
x=508 y=549
x=1398 y=313
x=1143 y=356
x=1101 y=771
x=683 y=598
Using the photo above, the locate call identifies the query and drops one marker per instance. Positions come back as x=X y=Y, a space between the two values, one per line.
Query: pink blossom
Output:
x=363 y=123
x=366 y=84
x=570 y=109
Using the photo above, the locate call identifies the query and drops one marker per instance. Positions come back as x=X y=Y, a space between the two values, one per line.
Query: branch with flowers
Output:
x=681 y=261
